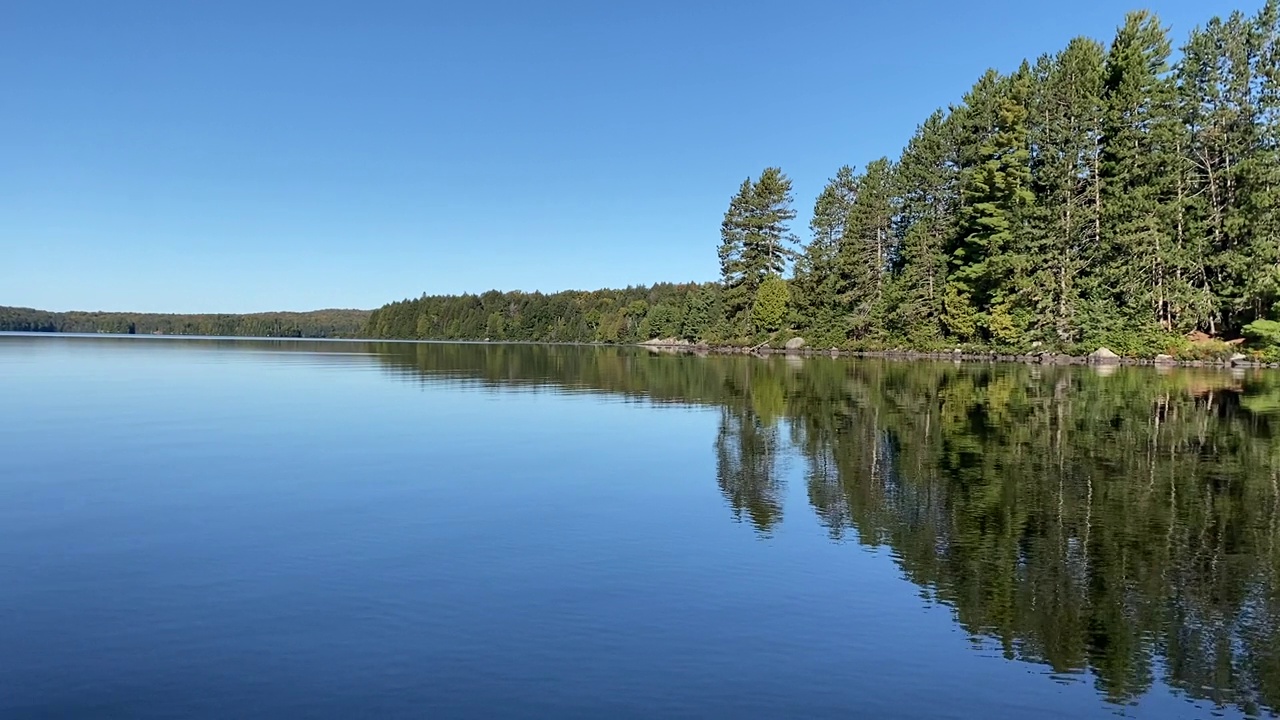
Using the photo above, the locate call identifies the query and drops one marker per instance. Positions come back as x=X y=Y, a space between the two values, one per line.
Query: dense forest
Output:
x=1103 y=195
x=316 y=324
x=1112 y=521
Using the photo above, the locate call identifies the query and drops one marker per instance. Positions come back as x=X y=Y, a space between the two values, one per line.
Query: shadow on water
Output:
x=1123 y=524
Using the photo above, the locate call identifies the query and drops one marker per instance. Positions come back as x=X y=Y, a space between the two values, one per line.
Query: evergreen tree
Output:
x=990 y=268
x=817 y=279
x=702 y=313
x=1262 y=202
x=866 y=251
x=770 y=307
x=1064 y=228
x=1222 y=82
x=755 y=239
x=926 y=182
x=736 y=274
x=1138 y=168
x=769 y=242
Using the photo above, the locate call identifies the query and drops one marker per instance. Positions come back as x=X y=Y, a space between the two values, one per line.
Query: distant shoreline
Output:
x=1053 y=359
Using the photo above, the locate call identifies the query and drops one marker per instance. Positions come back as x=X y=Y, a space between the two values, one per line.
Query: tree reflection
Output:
x=1125 y=525
x=746 y=467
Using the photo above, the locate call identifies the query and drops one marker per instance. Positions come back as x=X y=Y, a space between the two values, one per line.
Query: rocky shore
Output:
x=1102 y=356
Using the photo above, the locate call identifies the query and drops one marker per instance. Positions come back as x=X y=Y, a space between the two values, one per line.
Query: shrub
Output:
x=1210 y=350
x=1263 y=333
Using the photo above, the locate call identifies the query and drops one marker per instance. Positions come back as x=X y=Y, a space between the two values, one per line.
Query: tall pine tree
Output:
x=989 y=264
x=927 y=195
x=817 y=277
x=866 y=250
x=1065 y=226
x=756 y=241
x=1139 y=166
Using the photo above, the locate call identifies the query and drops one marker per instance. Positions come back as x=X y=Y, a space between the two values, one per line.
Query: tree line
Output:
x=1100 y=195
x=315 y=324
x=1105 y=194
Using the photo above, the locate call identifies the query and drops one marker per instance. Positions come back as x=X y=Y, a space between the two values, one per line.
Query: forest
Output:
x=316 y=324
x=1107 y=194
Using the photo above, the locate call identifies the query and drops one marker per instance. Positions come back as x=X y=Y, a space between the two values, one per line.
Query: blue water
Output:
x=241 y=529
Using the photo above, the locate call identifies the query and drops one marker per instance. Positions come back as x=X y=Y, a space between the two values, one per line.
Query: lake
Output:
x=257 y=528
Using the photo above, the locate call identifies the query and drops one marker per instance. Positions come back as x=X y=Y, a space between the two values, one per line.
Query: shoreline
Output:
x=687 y=348
x=1036 y=358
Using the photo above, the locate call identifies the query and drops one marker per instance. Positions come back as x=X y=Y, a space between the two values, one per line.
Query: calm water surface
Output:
x=217 y=529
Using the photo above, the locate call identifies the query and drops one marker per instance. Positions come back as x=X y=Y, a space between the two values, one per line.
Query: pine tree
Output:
x=1138 y=168
x=1222 y=83
x=927 y=195
x=769 y=243
x=755 y=239
x=1263 y=200
x=990 y=267
x=736 y=275
x=866 y=250
x=1064 y=229
x=770 y=306
x=817 y=282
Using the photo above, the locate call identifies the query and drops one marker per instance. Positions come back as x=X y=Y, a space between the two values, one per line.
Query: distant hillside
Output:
x=314 y=324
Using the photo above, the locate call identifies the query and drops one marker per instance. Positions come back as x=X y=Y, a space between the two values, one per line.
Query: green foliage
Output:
x=988 y=257
x=755 y=239
x=316 y=324
x=666 y=320
x=817 y=286
x=1130 y=341
x=770 y=306
x=629 y=315
x=1208 y=350
x=702 y=315
x=1263 y=333
x=1100 y=196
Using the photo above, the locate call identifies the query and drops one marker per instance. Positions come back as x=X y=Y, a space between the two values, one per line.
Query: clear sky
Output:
x=238 y=155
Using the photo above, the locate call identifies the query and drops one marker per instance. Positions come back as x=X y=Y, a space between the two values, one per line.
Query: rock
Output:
x=1163 y=359
x=795 y=343
x=1239 y=359
x=1103 y=355
x=1196 y=336
x=1237 y=342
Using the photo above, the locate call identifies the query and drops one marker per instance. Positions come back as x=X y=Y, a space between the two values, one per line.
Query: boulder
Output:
x=795 y=343
x=1239 y=359
x=1163 y=359
x=1103 y=355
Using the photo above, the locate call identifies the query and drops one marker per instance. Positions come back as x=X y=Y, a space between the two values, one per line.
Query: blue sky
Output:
x=238 y=156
